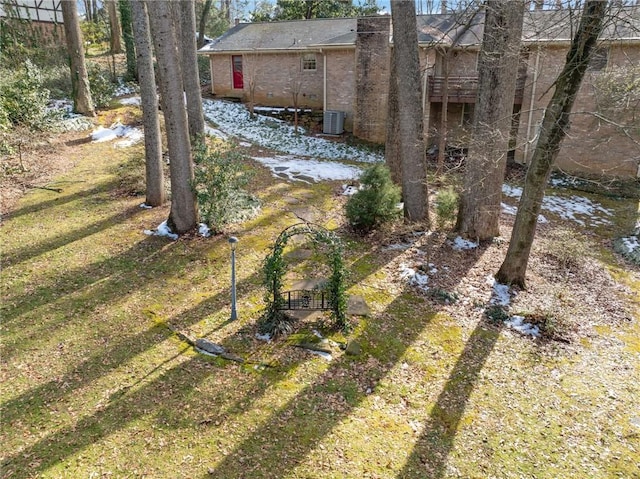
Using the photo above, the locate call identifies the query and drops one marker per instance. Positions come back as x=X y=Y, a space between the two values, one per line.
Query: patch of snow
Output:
x=322 y=354
x=215 y=132
x=245 y=144
x=117 y=130
x=203 y=230
x=398 y=247
x=500 y=295
x=575 y=208
x=264 y=337
x=349 y=190
x=234 y=119
x=460 y=244
x=124 y=89
x=630 y=243
x=162 y=230
x=414 y=277
x=518 y=323
x=145 y=206
x=132 y=135
x=132 y=100
x=513 y=210
x=302 y=170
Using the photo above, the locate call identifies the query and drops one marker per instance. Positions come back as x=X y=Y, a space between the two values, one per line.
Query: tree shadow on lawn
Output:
x=31 y=251
x=87 y=288
x=31 y=402
x=60 y=200
x=429 y=455
x=36 y=403
x=309 y=417
x=163 y=397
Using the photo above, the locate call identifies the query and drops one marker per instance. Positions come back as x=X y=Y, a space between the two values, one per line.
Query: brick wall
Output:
x=275 y=76
x=593 y=147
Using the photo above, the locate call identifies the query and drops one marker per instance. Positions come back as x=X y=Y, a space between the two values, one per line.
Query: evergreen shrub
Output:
x=376 y=203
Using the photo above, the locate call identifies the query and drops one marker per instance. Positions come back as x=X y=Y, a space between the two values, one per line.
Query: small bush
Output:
x=219 y=181
x=376 y=203
x=23 y=101
x=569 y=251
x=496 y=313
x=102 y=87
x=446 y=206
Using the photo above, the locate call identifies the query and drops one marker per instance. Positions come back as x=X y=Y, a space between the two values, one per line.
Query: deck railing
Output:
x=463 y=89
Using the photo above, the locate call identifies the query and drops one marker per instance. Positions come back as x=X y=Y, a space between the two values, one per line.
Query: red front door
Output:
x=236 y=62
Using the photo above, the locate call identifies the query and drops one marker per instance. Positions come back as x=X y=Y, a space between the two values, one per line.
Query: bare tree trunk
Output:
x=392 y=138
x=114 y=25
x=444 y=116
x=479 y=213
x=151 y=122
x=225 y=8
x=203 y=22
x=184 y=212
x=87 y=9
x=191 y=76
x=410 y=120
x=555 y=126
x=82 y=102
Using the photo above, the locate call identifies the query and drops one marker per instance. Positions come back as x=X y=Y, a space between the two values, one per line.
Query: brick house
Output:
x=343 y=65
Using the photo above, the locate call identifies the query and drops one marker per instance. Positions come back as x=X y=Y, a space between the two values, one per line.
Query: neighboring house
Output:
x=44 y=18
x=343 y=65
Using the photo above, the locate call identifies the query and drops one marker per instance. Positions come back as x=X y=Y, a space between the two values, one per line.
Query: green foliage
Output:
x=376 y=203
x=95 y=32
x=23 y=100
x=101 y=84
x=274 y=320
x=496 y=313
x=443 y=296
x=219 y=181
x=127 y=34
x=204 y=70
x=307 y=9
x=446 y=206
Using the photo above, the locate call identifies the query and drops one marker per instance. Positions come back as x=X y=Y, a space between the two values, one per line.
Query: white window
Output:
x=309 y=62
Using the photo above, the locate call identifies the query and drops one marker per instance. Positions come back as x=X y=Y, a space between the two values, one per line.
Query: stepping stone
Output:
x=357 y=306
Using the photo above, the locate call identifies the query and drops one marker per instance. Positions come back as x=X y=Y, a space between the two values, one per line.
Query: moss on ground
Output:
x=94 y=383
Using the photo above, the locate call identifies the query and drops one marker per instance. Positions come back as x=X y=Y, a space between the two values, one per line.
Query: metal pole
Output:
x=234 y=314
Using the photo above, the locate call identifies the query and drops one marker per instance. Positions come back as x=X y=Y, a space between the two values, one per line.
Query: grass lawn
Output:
x=95 y=383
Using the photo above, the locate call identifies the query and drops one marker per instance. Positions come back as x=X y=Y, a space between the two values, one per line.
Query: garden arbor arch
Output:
x=334 y=298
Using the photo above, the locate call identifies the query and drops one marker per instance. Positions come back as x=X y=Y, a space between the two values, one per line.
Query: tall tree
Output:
x=409 y=111
x=82 y=102
x=479 y=212
x=184 y=212
x=114 y=26
x=150 y=120
x=307 y=9
x=127 y=33
x=554 y=128
x=203 y=22
x=189 y=60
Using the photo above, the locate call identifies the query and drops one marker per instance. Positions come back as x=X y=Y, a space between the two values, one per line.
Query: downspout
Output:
x=531 y=104
x=424 y=82
x=324 y=80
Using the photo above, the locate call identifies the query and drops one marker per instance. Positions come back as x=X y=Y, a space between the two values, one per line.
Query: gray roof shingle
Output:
x=623 y=23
